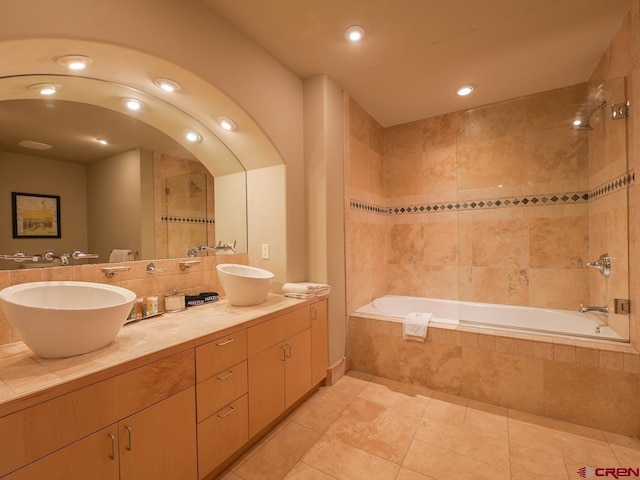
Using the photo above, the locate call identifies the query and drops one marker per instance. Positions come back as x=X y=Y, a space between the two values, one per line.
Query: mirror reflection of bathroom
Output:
x=187 y=206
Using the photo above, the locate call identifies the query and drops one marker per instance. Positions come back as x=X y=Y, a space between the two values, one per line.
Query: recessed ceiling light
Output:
x=34 y=145
x=227 y=124
x=464 y=91
x=75 y=62
x=46 y=88
x=354 y=33
x=102 y=141
x=577 y=122
x=167 y=84
x=133 y=104
x=192 y=136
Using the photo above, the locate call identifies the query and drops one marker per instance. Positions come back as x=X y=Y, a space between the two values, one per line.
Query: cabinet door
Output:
x=297 y=366
x=159 y=443
x=94 y=457
x=266 y=387
x=319 y=342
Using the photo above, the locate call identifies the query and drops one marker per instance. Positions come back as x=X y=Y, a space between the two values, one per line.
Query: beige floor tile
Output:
x=406 y=474
x=382 y=395
x=314 y=416
x=302 y=471
x=573 y=469
x=349 y=385
x=488 y=419
x=557 y=442
x=391 y=436
x=469 y=443
x=622 y=440
x=441 y=464
x=228 y=475
x=332 y=399
x=275 y=458
x=530 y=464
x=356 y=422
x=446 y=409
x=348 y=463
x=578 y=431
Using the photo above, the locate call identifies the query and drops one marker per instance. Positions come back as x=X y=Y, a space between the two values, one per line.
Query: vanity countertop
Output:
x=26 y=379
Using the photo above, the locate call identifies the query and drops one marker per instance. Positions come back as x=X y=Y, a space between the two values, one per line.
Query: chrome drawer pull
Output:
x=231 y=372
x=225 y=343
x=228 y=413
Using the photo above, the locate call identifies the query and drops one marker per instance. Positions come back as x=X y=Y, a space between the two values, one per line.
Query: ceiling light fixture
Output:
x=74 y=62
x=464 y=91
x=133 y=104
x=354 y=33
x=102 y=141
x=46 y=88
x=34 y=145
x=167 y=84
x=227 y=124
x=192 y=136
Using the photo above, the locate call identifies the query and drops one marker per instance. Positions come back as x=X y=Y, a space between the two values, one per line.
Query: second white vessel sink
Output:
x=66 y=318
x=244 y=285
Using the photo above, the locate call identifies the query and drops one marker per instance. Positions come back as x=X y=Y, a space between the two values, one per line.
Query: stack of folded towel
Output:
x=305 y=289
x=415 y=326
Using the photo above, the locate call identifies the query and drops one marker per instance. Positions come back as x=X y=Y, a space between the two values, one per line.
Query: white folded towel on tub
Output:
x=414 y=326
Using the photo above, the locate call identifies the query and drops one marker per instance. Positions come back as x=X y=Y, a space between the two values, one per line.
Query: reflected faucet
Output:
x=598 y=310
x=193 y=251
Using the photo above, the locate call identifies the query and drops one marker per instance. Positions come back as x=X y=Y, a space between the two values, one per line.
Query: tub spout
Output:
x=599 y=310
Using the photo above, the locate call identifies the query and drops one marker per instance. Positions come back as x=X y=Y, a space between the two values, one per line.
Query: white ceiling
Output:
x=416 y=53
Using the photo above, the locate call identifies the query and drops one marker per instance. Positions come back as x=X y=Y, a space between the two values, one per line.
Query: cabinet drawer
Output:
x=266 y=334
x=222 y=434
x=219 y=354
x=221 y=389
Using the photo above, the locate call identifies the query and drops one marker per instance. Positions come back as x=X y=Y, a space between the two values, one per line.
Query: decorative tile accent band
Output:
x=614 y=185
x=169 y=219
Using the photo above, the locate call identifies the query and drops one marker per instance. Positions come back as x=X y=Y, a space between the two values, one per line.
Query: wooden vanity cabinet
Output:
x=319 y=341
x=135 y=426
x=222 y=400
x=279 y=366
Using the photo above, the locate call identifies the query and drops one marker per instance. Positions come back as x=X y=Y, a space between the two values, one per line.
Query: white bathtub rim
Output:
x=607 y=334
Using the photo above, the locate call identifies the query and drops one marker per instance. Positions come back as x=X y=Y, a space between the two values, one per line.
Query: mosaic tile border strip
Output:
x=614 y=185
x=173 y=219
x=570 y=198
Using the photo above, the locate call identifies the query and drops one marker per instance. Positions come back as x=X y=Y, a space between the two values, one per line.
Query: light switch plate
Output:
x=265 y=251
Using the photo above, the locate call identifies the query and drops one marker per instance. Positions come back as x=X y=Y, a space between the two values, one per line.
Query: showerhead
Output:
x=584 y=122
x=194 y=188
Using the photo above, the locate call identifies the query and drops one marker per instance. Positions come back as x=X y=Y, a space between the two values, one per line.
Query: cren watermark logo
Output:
x=617 y=472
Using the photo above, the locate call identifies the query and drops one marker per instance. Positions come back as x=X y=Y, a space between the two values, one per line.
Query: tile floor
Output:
x=369 y=428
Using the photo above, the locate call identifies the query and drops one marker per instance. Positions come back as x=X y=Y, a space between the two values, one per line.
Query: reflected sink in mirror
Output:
x=66 y=318
x=244 y=285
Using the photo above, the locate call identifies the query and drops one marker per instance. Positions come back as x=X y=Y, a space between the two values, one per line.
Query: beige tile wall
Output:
x=198 y=278
x=581 y=382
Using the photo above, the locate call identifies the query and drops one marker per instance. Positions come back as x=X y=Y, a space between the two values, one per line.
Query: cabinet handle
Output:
x=129 y=446
x=231 y=410
x=231 y=372
x=225 y=343
x=314 y=313
x=112 y=455
x=284 y=353
x=290 y=348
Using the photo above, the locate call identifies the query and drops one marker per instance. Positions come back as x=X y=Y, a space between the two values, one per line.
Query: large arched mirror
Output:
x=127 y=181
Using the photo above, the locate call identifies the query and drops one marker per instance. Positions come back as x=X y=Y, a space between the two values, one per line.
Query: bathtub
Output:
x=531 y=320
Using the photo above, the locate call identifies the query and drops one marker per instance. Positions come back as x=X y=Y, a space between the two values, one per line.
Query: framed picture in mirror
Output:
x=35 y=215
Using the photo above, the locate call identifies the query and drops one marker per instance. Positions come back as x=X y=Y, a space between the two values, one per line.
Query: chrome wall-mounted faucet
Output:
x=603 y=264
x=599 y=310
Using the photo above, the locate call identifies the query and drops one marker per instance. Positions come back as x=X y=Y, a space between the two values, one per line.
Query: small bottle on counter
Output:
x=152 y=305
x=138 y=306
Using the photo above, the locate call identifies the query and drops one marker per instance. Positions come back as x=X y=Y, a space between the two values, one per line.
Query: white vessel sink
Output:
x=244 y=285
x=65 y=318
